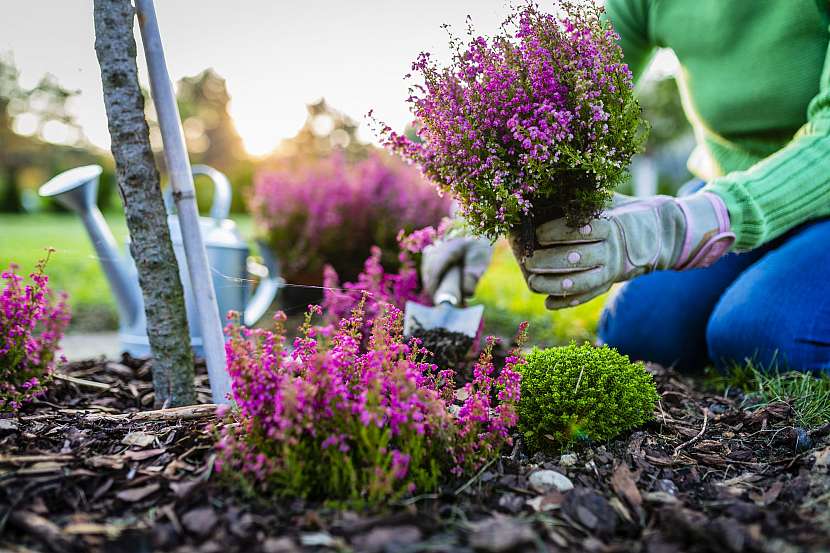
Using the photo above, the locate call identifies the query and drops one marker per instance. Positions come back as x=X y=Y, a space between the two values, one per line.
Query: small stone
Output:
x=591 y=510
x=210 y=547
x=387 y=538
x=200 y=521
x=317 y=539
x=511 y=502
x=8 y=426
x=544 y=481
x=568 y=460
x=279 y=545
x=717 y=408
x=803 y=441
x=499 y=534
x=665 y=485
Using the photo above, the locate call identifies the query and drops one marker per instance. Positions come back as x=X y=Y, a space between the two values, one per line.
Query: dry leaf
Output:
x=83 y=528
x=137 y=494
x=823 y=458
x=623 y=483
x=106 y=461
x=141 y=455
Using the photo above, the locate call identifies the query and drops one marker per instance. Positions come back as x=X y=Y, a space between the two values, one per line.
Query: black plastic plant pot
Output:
x=523 y=237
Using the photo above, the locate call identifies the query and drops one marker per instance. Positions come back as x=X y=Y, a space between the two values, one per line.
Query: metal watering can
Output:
x=77 y=189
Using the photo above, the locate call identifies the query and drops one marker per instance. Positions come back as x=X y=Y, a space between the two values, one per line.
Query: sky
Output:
x=276 y=55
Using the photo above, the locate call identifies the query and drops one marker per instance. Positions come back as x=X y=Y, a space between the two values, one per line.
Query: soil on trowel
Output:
x=449 y=349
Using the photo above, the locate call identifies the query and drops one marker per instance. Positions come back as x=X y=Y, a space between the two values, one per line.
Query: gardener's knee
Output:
x=741 y=330
x=637 y=322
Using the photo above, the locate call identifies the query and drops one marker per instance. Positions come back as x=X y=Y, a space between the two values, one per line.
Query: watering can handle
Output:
x=221 y=207
x=267 y=289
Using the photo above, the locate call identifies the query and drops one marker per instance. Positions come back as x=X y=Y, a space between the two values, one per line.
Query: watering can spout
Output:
x=77 y=189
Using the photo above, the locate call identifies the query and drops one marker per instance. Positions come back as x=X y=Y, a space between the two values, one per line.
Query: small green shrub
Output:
x=582 y=392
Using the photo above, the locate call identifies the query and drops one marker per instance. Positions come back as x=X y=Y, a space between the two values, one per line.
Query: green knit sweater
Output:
x=755 y=82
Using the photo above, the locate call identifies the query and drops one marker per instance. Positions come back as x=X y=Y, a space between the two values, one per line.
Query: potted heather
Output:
x=535 y=123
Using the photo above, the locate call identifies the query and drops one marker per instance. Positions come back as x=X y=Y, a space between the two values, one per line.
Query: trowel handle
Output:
x=449 y=290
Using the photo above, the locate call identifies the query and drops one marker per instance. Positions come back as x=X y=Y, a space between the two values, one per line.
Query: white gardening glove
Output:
x=472 y=255
x=633 y=237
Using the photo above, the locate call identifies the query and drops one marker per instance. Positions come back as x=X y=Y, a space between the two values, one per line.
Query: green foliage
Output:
x=806 y=393
x=663 y=109
x=582 y=392
x=75 y=269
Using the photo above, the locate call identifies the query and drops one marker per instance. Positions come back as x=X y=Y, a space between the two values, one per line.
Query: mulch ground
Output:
x=93 y=468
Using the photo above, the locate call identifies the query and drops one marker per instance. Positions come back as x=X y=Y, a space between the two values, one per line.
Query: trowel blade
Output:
x=465 y=320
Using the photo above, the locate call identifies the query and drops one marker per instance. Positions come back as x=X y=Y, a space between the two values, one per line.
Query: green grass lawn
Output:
x=508 y=301
x=73 y=267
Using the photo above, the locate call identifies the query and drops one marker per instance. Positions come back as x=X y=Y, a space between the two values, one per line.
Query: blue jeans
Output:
x=771 y=305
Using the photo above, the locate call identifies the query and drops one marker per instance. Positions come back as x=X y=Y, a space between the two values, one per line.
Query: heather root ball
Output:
x=581 y=392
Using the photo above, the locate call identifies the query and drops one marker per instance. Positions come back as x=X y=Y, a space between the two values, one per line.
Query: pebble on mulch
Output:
x=92 y=468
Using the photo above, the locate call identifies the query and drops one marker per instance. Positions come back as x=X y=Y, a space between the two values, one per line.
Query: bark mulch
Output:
x=93 y=468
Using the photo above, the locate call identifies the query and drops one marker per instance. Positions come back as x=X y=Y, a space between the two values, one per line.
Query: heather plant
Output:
x=332 y=211
x=330 y=418
x=537 y=121
x=32 y=322
x=582 y=393
x=375 y=287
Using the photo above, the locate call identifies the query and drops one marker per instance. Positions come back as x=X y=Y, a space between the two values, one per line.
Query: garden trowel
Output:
x=447 y=313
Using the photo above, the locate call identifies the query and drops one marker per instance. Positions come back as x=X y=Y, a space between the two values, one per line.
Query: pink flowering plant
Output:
x=333 y=211
x=32 y=322
x=375 y=287
x=537 y=121
x=331 y=418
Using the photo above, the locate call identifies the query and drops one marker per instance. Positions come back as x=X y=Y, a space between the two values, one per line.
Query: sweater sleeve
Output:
x=787 y=188
x=630 y=19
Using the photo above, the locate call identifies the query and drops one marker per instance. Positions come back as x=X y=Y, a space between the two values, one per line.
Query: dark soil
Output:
x=449 y=349
x=88 y=469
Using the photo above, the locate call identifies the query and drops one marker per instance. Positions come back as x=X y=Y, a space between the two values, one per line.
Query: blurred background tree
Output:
x=325 y=131
x=661 y=168
x=210 y=134
x=38 y=138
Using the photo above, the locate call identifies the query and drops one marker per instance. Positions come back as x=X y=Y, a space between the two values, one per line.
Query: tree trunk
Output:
x=138 y=184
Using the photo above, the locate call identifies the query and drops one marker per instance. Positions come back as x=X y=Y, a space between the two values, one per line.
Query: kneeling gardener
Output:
x=738 y=266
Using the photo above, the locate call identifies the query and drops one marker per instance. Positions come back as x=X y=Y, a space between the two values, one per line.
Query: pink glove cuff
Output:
x=701 y=248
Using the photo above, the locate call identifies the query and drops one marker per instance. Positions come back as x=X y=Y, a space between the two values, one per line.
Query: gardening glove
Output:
x=633 y=237
x=471 y=254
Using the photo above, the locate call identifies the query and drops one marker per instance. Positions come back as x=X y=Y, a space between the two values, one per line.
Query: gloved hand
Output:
x=633 y=237
x=471 y=254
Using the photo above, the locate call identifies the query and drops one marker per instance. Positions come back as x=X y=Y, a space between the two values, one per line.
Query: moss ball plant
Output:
x=582 y=392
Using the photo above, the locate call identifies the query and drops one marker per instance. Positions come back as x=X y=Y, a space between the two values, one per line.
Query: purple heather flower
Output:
x=31 y=326
x=520 y=110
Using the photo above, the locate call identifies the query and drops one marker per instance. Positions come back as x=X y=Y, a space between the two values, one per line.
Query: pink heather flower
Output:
x=356 y=419
x=375 y=289
x=31 y=326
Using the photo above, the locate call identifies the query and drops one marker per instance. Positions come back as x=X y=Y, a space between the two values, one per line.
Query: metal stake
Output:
x=181 y=179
